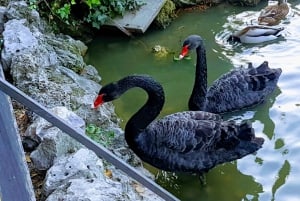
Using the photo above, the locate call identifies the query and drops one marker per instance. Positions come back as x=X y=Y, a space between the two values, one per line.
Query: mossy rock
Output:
x=166 y=15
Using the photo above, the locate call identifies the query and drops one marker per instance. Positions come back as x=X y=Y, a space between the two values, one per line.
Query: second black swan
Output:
x=240 y=88
x=191 y=141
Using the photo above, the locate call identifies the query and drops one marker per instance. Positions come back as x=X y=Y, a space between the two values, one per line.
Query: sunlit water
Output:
x=270 y=174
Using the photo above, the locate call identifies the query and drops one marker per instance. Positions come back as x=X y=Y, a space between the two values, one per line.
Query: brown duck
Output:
x=273 y=14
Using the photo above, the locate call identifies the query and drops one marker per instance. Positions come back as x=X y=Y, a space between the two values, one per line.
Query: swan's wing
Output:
x=241 y=88
x=182 y=135
x=192 y=145
x=247 y=80
x=194 y=115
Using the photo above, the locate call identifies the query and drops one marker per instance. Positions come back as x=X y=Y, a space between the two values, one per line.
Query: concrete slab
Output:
x=138 y=21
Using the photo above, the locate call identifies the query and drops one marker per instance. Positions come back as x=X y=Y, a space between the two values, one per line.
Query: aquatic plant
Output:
x=99 y=135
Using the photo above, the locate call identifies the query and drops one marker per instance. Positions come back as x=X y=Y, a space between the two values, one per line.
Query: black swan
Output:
x=235 y=90
x=191 y=141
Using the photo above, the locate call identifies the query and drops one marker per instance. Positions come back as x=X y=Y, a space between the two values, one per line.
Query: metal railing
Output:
x=15 y=182
x=99 y=150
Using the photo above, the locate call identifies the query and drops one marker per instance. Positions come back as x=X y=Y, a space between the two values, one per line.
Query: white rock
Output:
x=54 y=142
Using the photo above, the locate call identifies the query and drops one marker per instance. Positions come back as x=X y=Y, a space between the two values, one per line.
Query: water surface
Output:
x=270 y=174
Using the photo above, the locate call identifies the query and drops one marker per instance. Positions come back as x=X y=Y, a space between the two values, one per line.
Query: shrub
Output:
x=75 y=13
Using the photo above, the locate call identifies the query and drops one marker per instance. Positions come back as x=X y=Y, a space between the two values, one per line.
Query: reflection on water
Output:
x=270 y=174
x=225 y=183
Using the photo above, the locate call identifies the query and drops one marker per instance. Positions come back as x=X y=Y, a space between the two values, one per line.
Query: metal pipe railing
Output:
x=99 y=150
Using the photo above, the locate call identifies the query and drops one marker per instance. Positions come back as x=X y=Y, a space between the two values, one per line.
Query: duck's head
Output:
x=233 y=39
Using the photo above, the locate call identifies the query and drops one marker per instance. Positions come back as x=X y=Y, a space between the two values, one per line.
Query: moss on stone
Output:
x=166 y=15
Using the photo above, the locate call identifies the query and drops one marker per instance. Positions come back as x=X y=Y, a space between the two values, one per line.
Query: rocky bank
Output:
x=50 y=68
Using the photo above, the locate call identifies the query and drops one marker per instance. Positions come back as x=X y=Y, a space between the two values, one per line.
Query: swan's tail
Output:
x=235 y=142
x=248 y=142
x=245 y=131
x=264 y=70
x=263 y=77
x=239 y=139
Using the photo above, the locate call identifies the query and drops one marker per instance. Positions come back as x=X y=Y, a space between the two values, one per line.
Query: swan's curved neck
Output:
x=197 y=98
x=148 y=112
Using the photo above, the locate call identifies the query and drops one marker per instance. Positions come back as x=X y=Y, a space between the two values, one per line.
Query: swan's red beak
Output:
x=184 y=52
x=98 y=101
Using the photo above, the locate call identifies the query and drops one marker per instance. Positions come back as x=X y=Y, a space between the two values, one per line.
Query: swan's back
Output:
x=195 y=141
x=241 y=88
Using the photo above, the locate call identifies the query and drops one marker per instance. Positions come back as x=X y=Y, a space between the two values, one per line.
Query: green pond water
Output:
x=273 y=173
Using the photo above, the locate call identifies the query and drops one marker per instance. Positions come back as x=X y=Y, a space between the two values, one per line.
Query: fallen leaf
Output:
x=108 y=173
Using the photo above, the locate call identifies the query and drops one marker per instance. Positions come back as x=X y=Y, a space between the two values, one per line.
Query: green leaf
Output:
x=64 y=11
x=92 y=3
x=91 y=128
x=176 y=58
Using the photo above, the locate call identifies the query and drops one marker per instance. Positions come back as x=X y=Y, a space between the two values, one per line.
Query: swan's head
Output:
x=190 y=43
x=106 y=94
